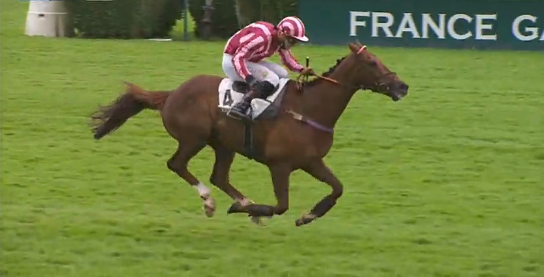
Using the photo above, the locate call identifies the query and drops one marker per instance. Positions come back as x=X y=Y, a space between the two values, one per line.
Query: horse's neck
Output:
x=326 y=101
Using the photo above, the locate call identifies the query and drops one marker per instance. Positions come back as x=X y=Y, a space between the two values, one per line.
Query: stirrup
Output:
x=235 y=113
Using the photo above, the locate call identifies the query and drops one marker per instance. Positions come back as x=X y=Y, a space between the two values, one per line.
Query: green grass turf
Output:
x=447 y=182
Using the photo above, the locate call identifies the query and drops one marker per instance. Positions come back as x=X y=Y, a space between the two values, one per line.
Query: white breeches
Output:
x=262 y=71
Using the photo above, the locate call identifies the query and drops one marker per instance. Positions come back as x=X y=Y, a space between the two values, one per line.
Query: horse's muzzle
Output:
x=398 y=91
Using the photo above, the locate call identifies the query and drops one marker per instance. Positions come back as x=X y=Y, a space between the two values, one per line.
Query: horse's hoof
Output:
x=305 y=219
x=209 y=207
x=234 y=208
x=258 y=220
x=260 y=210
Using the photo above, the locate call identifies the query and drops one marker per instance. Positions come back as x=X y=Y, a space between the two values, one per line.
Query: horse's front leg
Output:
x=321 y=172
x=280 y=179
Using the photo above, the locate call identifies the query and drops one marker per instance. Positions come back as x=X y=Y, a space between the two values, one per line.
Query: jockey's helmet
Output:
x=293 y=27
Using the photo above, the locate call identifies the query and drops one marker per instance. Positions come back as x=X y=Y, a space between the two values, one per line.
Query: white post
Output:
x=47 y=18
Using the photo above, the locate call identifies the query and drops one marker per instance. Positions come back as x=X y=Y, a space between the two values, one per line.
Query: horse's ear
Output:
x=132 y=86
x=354 y=48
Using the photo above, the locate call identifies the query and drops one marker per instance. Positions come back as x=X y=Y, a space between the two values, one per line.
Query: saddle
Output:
x=240 y=86
x=231 y=92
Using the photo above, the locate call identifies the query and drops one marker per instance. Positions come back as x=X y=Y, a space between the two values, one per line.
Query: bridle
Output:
x=379 y=86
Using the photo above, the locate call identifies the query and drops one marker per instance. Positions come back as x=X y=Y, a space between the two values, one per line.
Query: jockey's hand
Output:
x=251 y=81
x=307 y=71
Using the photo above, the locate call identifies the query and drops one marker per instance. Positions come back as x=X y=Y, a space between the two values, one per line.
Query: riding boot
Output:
x=239 y=110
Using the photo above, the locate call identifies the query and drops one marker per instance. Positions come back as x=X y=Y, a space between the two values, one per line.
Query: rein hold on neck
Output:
x=376 y=87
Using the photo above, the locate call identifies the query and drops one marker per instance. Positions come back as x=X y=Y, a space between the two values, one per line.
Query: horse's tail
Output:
x=109 y=118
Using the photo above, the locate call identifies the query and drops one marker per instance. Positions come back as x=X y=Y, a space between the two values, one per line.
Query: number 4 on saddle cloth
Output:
x=232 y=92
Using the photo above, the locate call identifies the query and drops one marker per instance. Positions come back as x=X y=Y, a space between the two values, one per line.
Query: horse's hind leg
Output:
x=178 y=164
x=220 y=177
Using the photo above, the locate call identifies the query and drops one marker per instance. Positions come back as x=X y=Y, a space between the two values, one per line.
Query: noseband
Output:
x=379 y=86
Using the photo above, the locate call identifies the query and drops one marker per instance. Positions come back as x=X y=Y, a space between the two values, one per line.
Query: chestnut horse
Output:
x=298 y=137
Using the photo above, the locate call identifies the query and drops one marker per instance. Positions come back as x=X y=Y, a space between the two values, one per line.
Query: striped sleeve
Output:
x=288 y=60
x=244 y=52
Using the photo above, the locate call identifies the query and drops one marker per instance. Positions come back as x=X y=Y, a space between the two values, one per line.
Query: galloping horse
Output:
x=297 y=135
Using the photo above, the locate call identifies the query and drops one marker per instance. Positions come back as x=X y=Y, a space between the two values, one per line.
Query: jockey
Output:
x=244 y=53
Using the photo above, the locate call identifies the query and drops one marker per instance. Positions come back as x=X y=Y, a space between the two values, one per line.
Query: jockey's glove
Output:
x=250 y=80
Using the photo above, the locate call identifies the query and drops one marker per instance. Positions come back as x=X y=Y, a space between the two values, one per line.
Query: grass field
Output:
x=447 y=182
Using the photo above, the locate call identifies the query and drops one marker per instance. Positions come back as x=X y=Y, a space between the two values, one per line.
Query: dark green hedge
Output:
x=223 y=17
x=124 y=18
x=156 y=18
x=225 y=22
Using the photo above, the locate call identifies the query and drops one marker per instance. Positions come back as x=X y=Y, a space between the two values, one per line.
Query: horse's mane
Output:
x=327 y=73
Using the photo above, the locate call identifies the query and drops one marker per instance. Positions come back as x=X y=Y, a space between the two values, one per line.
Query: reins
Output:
x=376 y=87
x=300 y=83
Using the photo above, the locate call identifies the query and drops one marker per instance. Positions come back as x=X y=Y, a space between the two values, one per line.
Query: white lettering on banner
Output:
x=532 y=30
x=481 y=26
x=451 y=26
x=376 y=24
x=407 y=24
x=353 y=23
x=457 y=26
x=438 y=29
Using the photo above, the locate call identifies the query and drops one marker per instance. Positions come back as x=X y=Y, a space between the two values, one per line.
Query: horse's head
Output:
x=371 y=73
